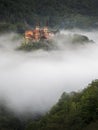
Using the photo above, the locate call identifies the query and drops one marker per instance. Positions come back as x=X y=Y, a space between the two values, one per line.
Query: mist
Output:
x=34 y=81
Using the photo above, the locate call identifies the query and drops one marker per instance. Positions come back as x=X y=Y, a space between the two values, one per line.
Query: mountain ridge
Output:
x=24 y=10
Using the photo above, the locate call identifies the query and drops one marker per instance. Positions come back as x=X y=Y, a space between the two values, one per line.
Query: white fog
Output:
x=35 y=80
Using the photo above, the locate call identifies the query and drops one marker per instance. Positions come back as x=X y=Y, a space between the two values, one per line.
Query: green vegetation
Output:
x=74 y=111
x=75 y=39
x=8 y=120
x=92 y=126
x=45 y=45
x=59 y=13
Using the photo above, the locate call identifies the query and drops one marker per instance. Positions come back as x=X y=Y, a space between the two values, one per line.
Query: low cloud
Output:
x=33 y=81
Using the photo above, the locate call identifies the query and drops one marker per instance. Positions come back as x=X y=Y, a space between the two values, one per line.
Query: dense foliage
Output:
x=74 y=111
x=8 y=120
x=64 y=13
x=26 y=8
x=45 y=45
x=51 y=44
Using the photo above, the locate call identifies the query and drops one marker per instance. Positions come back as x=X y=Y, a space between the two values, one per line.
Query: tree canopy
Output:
x=73 y=111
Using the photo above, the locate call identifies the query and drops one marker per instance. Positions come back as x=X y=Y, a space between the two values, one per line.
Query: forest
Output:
x=73 y=111
x=58 y=13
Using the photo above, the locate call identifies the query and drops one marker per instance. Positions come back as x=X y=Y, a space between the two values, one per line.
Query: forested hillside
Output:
x=57 y=12
x=27 y=8
x=74 y=111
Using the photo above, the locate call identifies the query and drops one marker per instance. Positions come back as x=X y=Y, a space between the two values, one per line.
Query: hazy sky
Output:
x=34 y=81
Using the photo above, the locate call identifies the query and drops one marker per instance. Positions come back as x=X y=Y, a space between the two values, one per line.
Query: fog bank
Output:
x=34 y=81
